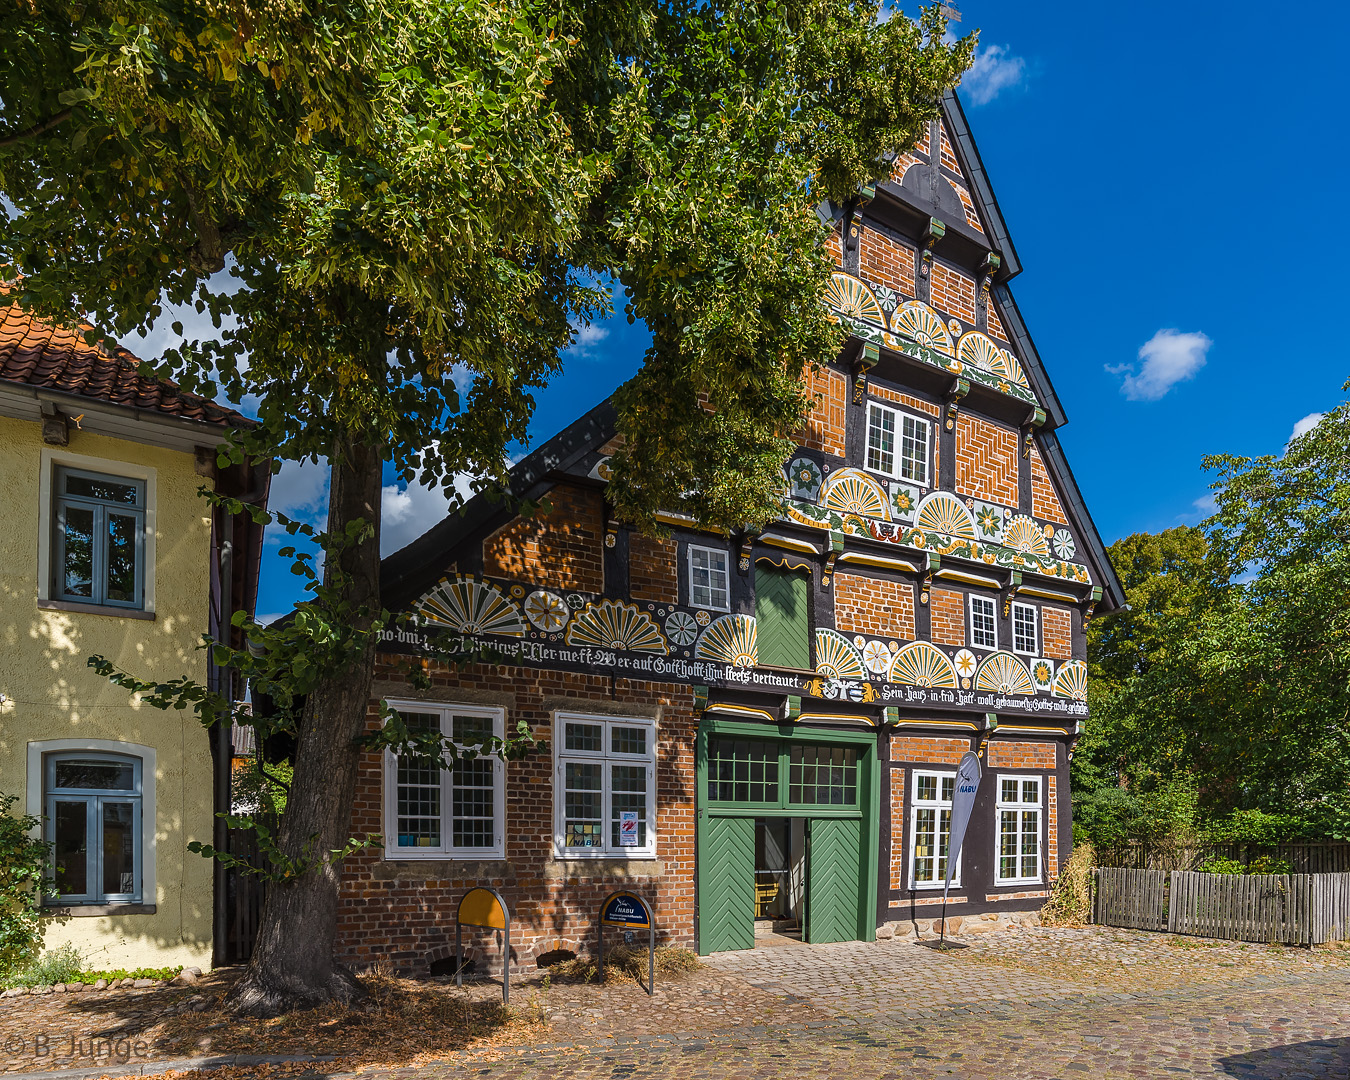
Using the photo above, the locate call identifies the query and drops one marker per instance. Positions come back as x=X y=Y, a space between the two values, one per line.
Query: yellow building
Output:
x=107 y=548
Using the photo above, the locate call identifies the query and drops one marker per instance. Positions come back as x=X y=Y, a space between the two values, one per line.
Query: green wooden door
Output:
x=833 y=879
x=726 y=885
x=782 y=599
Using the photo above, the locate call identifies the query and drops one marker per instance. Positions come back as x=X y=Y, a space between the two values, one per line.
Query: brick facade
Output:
x=1007 y=754
x=898 y=847
x=928 y=749
x=909 y=401
x=1044 y=500
x=558 y=549
x=825 y=428
x=986 y=460
x=996 y=324
x=885 y=261
x=652 y=569
x=876 y=606
x=953 y=292
x=1057 y=632
x=948 y=617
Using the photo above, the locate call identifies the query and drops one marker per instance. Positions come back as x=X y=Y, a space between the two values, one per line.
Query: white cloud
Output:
x=1169 y=357
x=585 y=339
x=993 y=70
x=1302 y=427
x=1206 y=504
x=300 y=490
x=407 y=512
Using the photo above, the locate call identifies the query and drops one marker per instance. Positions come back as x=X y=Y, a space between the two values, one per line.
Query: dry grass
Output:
x=626 y=963
x=1070 y=902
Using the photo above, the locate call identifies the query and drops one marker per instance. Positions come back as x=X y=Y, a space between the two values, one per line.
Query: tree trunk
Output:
x=293 y=966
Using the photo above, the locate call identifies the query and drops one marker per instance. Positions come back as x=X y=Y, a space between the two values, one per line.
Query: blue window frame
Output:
x=99 y=537
x=93 y=811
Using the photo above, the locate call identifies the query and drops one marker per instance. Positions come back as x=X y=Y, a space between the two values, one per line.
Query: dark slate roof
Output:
x=36 y=353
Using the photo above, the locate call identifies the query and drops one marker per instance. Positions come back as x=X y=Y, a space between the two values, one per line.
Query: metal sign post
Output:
x=484 y=907
x=631 y=912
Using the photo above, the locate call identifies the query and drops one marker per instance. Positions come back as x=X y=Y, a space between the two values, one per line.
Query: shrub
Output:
x=24 y=869
x=1107 y=817
x=1258 y=827
x=1070 y=902
x=60 y=965
x=1268 y=864
x=1215 y=864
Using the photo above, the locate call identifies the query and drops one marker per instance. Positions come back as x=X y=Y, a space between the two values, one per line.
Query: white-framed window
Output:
x=439 y=813
x=983 y=622
x=897 y=443
x=604 y=786
x=1019 y=829
x=931 y=829
x=709 y=578
x=98 y=799
x=96 y=534
x=1024 y=629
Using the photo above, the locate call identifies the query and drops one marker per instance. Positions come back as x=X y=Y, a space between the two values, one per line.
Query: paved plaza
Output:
x=1024 y=1005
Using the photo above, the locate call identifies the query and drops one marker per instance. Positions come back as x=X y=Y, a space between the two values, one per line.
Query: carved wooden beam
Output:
x=960 y=388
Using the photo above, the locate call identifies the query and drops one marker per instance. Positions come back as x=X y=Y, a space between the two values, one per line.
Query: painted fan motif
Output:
x=852 y=492
x=836 y=658
x=945 y=513
x=979 y=351
x=732 y=639
x=916 y=320
x=1071 y=682
x=849 y=295
x=1005 y=674
x=681 y=628
x=1023 y=534
x=546 y=611
x=876 y=657
x=922 y=664
x=612 y=624
x=468 y=606
x=1014 y=369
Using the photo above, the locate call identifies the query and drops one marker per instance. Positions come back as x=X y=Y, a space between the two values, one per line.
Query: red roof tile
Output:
x=36 y=353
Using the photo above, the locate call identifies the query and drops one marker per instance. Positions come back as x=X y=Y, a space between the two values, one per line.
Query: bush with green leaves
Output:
x=24 y=869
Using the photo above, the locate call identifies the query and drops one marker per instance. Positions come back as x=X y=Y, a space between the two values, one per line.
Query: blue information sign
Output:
x=626 y=910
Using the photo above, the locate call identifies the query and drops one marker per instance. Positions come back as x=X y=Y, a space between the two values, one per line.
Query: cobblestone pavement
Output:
x=1023 y=1005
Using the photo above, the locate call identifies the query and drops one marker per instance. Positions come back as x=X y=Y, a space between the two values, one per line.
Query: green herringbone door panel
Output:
x=726 y=885
x=782 y=599
x=833 y=879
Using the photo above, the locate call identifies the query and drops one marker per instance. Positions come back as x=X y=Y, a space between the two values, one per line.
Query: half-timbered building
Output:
x=763 y=730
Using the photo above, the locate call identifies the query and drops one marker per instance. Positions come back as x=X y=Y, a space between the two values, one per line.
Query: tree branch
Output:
x=36 y=129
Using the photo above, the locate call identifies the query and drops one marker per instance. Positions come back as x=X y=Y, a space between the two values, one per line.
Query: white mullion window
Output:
x=605 y=795
x=983 y=623
x=1025 y=629
x=1019 y=830
x=709 y=578
x=930 y=829
x=439 y=813
x=897 y=443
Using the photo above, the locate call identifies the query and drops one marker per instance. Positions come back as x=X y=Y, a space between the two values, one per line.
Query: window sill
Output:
x=96 y=609
x=86 y=911
x=1022 y=883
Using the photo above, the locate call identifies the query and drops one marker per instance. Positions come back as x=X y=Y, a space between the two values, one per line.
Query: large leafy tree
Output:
x=419 y=201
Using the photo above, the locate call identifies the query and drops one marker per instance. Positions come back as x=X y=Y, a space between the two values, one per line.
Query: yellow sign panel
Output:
x=480 y=907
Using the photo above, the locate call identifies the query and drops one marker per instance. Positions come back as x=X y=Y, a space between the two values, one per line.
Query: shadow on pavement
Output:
x=1321 y=1059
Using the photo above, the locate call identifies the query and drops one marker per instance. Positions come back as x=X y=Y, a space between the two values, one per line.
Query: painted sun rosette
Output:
x=922 y=664
x=965 y=662
x=547 y=611
x=731 y=639
x=612 y=624
x=921 y=324
x=943 y=512
x=876 y=657
x=851 y=491
x=836 y=657
x=1025 y=535
x=1072 y=680
x=804 y=477
x=681 y=628
x=1003 y=673
x=469 y=606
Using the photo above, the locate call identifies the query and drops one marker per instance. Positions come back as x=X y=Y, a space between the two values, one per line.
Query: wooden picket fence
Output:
x=1315 y=857
x=1296 y=909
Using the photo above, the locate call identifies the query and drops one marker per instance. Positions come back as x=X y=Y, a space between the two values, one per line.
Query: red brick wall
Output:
x=1006 y=754
x=835 y=247
x=1052 y=824
x=948 y=617
x=898 y=787
x=953 y=292
x=652 y=569
x=561 y=549
x=948 y=154
x=995 y=323
x=825 y=426
x=972 y=218
x=1057 y=632
x=917 y=404
x=865 y=605
x=1045 y=503
x=986 y=460
x=411 y=920
x=927 y=748
x=884 y=261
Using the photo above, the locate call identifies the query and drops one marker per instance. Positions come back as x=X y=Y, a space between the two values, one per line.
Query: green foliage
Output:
x=1217 y=864
x=1107 y=816
x=25 y=868
x=65 y=964
x=1269 y=864
x=1259 y=827
x=261 y=787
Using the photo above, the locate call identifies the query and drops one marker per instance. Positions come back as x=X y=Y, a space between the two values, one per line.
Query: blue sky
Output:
x=1170 y=174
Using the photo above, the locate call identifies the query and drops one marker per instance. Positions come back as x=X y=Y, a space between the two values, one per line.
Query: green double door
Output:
x=833 y=789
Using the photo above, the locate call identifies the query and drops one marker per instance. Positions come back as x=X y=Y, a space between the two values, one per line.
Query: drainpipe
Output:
x=224 y=741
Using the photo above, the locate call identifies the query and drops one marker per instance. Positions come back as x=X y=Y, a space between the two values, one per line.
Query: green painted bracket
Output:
x=794 y=707
x=891 y=714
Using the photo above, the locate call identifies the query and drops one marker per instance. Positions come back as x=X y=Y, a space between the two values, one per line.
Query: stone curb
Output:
x=154 y=1068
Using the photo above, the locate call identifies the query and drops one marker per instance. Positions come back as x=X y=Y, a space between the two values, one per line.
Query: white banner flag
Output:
x=963 y=802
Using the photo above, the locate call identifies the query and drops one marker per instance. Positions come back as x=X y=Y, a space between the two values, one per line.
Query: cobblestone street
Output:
x=1029 y=1005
